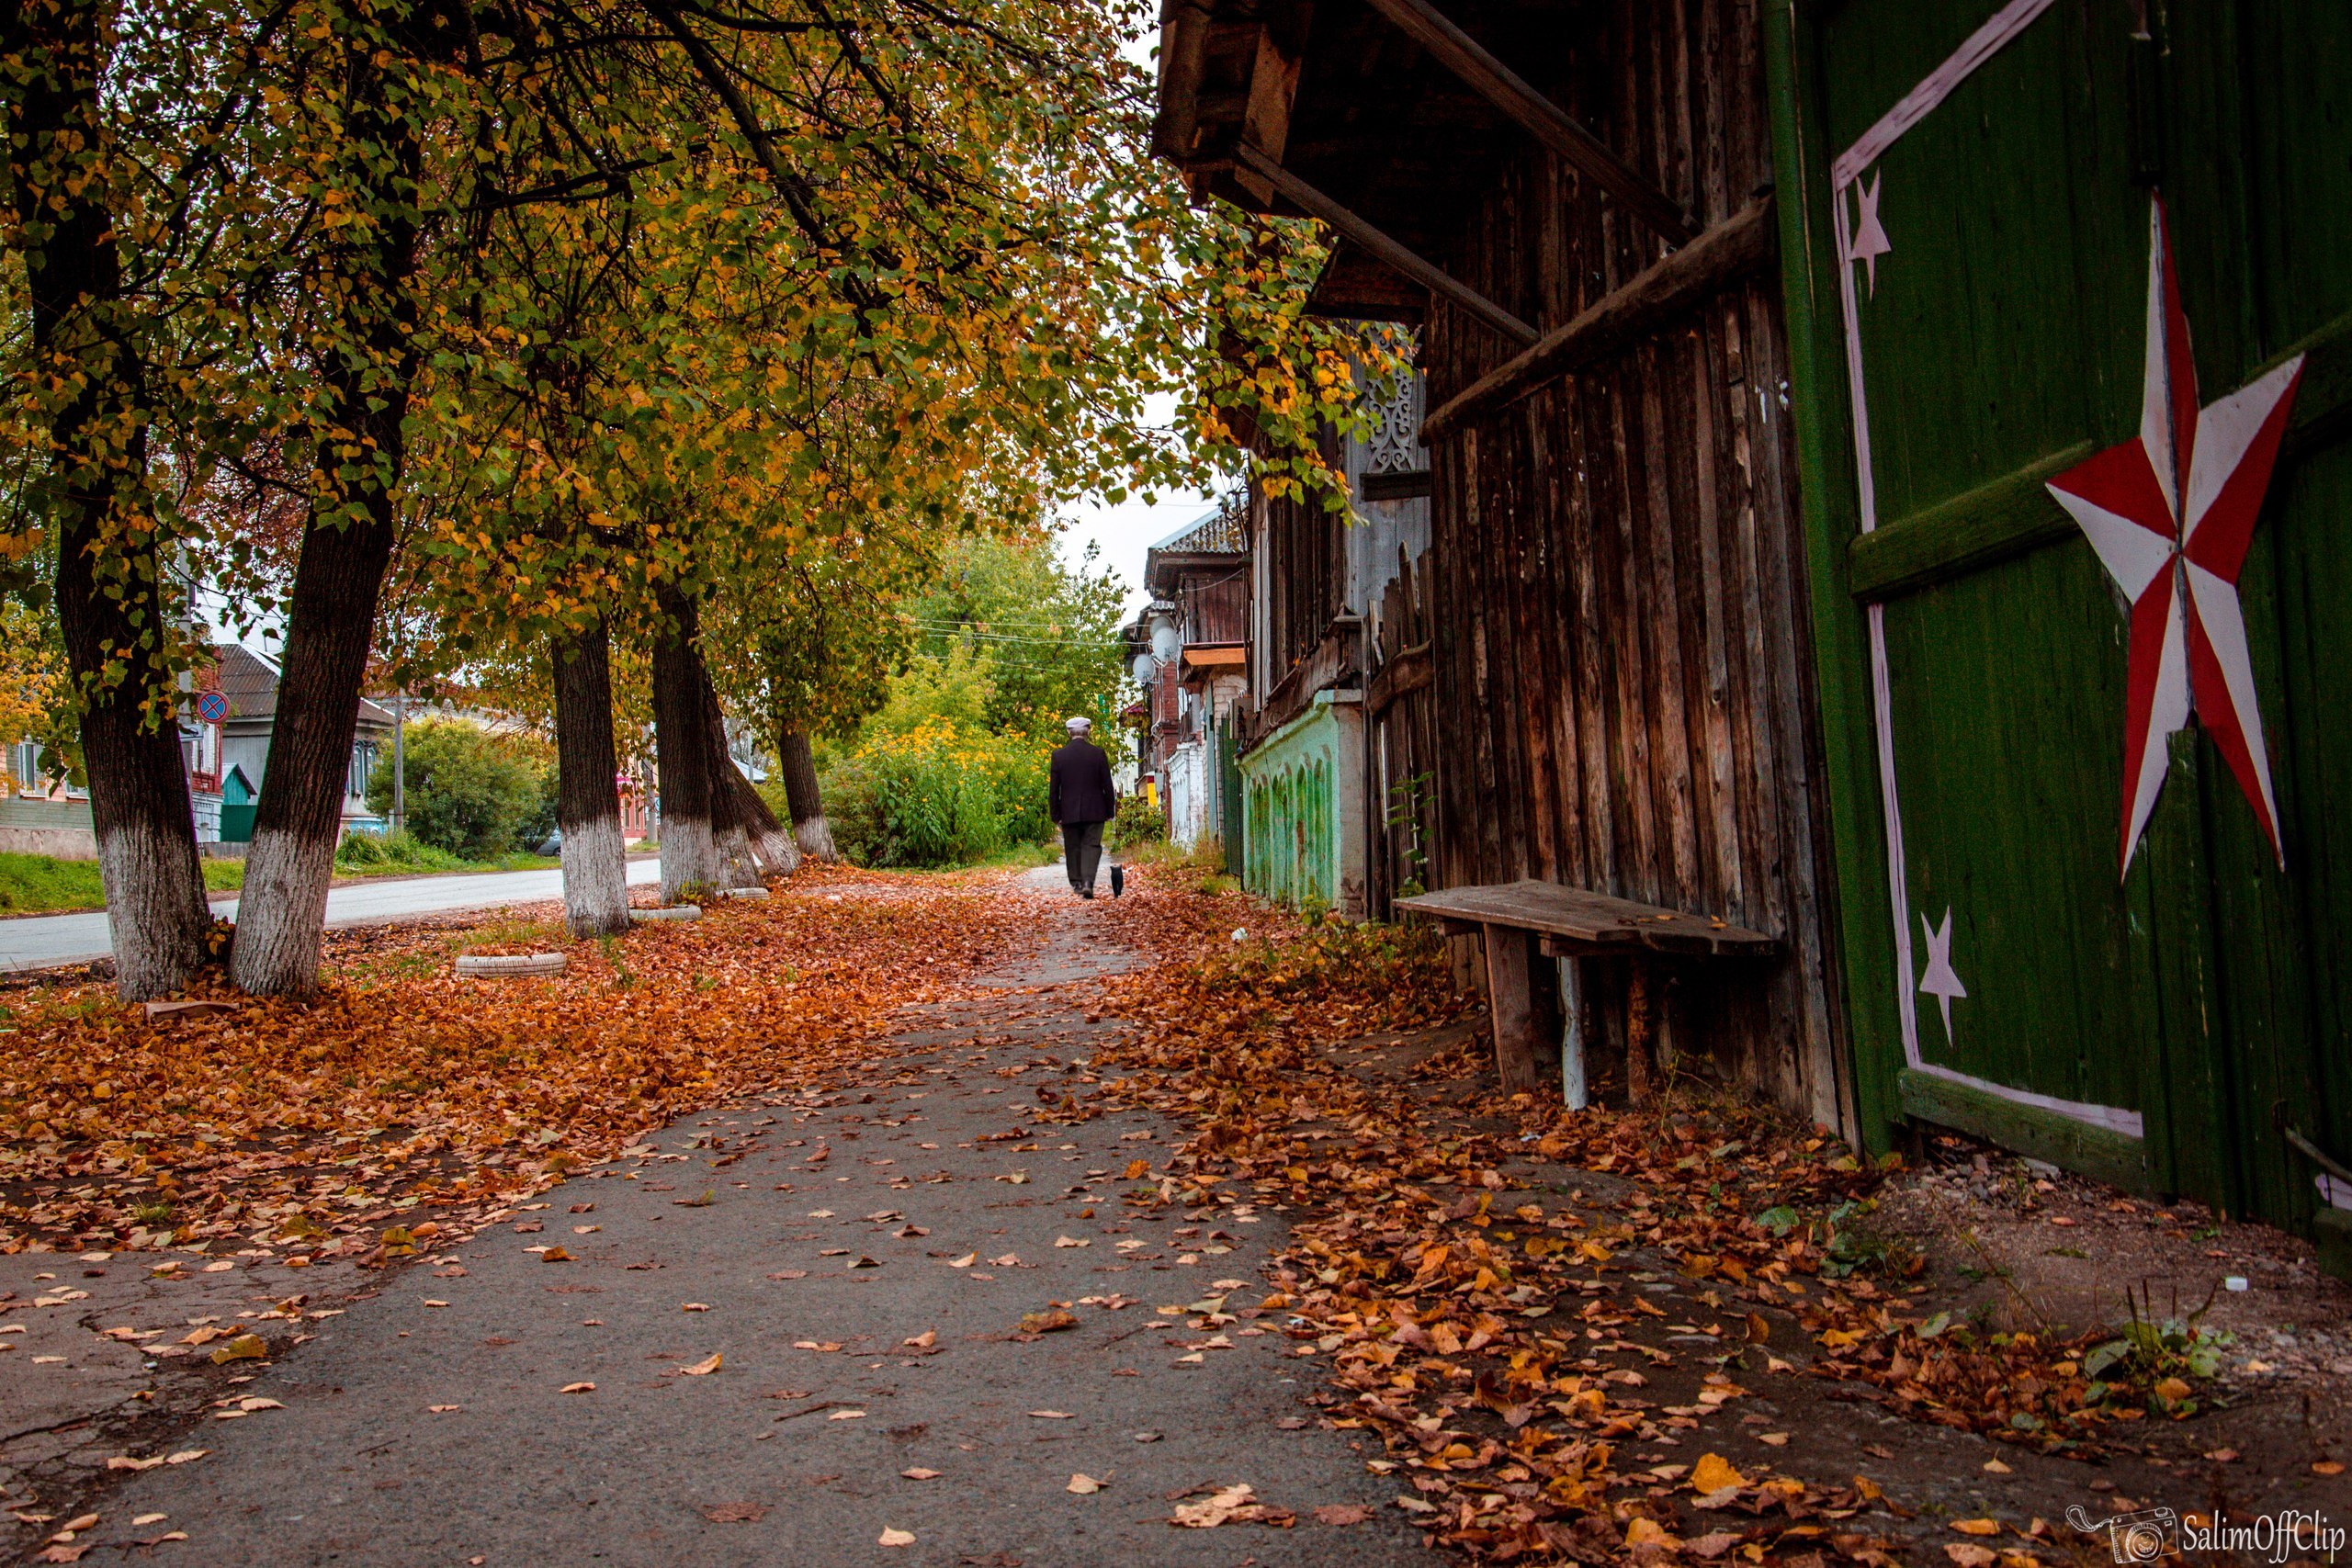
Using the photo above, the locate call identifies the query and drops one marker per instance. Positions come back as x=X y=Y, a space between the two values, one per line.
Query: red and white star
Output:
x=2171 y=514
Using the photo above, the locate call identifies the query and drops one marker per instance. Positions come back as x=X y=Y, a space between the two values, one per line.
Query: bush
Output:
x=1137 y=821
x=936 y=794
x=475 y=794
x=392 y=852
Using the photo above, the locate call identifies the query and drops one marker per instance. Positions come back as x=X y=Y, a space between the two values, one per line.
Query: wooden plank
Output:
x=1539 y=115
x=1510 y=1005
x=1744 y=244
x=2006 y=517
x=1582 y=916
x=1395 y=256
x=1408 y=673
x=2113 y=1157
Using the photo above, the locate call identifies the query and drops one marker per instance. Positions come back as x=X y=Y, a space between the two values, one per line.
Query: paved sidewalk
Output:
x=53 y=942
x=860 y=1263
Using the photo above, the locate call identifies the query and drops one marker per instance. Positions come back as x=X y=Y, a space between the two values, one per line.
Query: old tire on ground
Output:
x=489 y=966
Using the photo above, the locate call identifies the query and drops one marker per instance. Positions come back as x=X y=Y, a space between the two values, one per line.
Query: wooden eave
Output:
x=1348 y=102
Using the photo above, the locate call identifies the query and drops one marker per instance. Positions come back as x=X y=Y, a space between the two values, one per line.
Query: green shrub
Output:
x=936 y=794
x=471 y=794
x=394 y=853
x=1137 y=821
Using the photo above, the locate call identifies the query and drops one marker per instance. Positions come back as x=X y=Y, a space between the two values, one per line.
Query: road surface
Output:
x=52 y=942
x=789 y=1332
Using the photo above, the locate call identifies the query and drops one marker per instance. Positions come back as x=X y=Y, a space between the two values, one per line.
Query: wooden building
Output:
x=1888 y=484
x=1597 y=675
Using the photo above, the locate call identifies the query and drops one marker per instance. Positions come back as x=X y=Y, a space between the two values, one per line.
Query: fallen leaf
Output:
x=920 y=1473
x=244 y=1347
x=445 y=1409
x=847 y=1416
x=1341 y=1514
x=702 y=1369
x=577 y=1388
x=923 y=1341
x=1976 y=1526
x=1715 y=1474
x=895 y=1538
x=1083 y=1486
x=555 y=1254
x=1968 y=1555
x=1051 y=1414
x=1052 y=1321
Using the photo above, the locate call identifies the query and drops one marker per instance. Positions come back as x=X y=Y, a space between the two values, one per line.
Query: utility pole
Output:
x=400 y=759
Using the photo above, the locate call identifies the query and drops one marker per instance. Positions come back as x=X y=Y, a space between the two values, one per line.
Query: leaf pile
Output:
x=1514 y=1353
x=399 y=1090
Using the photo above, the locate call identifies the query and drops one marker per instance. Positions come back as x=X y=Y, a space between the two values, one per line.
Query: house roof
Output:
x=250 y=682
x=1216 y=532
x=1214 y=539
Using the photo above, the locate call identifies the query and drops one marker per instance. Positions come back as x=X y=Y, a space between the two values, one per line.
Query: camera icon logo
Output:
x=2141 y=1537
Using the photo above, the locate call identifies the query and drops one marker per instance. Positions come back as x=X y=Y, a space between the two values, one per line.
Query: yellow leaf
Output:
x=1976 y=1526
x=895 y=1538
x=702 y=1369
x=1713 y=1473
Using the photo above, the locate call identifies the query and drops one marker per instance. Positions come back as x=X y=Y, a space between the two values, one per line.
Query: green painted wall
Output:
x=1302 y=802
x=1972 y=652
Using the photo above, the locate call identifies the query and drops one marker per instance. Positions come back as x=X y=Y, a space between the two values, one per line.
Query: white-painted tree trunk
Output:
x=148 y=921
x=689 y=855
x=816 y=838
x=281 y=912
x=595 y=877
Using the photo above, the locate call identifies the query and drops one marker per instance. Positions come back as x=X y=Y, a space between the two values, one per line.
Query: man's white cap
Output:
x=1078 y=726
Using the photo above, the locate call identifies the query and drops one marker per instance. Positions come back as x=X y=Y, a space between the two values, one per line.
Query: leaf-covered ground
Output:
x=404 y=1092
x=1560 y=1325
x=1677 y=1332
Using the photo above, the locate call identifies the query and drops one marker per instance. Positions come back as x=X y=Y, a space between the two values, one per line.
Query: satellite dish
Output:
x=1145 y=668
x=1165 y=644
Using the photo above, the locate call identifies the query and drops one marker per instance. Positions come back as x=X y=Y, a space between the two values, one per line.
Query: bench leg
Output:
x=1637 y=1033
x=1526 y=1023
x=1573 y=1090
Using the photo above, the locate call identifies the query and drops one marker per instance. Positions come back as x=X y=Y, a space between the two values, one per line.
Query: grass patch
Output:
x=43 y=884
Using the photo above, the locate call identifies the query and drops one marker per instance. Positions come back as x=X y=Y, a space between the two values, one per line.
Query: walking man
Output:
x=1081 y=798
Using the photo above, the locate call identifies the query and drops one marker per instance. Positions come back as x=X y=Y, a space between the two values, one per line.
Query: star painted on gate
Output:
x=1869 y=240
x=1941 y=981
x=2171 y=514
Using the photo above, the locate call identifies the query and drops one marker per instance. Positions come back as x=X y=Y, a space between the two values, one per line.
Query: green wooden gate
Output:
x=1970 y=209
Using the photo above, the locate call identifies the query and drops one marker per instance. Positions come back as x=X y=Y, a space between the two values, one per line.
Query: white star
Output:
x=1941 y=981
x=1869 y=240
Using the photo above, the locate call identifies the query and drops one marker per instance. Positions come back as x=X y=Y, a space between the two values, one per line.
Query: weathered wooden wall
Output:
x=1622 y=678
x=1304 y=578
x=1401 y=738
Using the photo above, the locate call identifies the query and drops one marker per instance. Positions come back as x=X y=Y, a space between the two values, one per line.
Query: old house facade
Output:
x=1886 y=480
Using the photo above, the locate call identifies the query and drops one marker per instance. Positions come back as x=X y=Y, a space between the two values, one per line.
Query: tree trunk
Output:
x=779 y=857
x=682 y=748
x=282 y=906
x=797 y=760
x=109 y=591
x=587 y=808
x=731 y=823
x=347 y=550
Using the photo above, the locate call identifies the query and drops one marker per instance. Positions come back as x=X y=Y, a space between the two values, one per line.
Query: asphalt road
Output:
x=859 y=1263
x=52 y=942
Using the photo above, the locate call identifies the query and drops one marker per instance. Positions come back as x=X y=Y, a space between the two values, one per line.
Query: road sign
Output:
x=211 y=706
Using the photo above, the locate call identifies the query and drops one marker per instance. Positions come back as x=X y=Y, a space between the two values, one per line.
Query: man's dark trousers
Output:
x=1081 y=799
x=1082 y=852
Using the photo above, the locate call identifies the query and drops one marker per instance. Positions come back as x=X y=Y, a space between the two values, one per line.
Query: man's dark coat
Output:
x=1078 y=788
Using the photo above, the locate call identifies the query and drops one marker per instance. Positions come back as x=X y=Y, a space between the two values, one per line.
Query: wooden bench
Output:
x=1522 y=922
